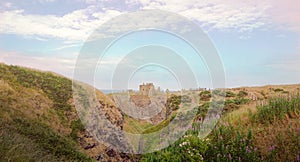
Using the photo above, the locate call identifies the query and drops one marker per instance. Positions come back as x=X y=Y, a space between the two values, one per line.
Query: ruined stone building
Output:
x=147 y=89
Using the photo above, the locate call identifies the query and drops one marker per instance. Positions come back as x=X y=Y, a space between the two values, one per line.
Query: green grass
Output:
x=57 y=88
x=30 y=102
x=159 y=126
x=135 y=126
x=37 y=141
x=277 y=108
x=252 y=140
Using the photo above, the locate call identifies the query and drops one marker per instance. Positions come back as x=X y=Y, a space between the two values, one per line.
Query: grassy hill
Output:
x=257 y=124
x=38 y=120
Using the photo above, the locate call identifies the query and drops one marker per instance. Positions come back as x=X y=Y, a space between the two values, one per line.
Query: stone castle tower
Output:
x=147 y=89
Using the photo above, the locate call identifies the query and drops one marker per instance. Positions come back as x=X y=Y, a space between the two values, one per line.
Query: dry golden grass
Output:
x=240 y=117
x=281 y=134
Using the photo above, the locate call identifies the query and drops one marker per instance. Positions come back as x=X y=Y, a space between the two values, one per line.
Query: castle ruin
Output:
x=147 y=89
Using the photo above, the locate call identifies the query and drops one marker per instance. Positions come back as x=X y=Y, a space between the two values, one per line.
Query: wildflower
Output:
x=218 y=155
x=298 y=157
x=248 y=150
x=240 y=159
x=201 y=157
x=229 y=156
x=272 y=148
x=183 y=144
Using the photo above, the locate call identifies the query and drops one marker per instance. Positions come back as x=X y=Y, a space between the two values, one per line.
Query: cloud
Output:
x=287 y=14
x=215 y=14
x=76 y=25
x=62 y=65
x=240 y=16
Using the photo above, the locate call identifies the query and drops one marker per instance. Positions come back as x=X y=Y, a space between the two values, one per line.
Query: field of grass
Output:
x=33 y=121
x=256 y=131
x=38 y=123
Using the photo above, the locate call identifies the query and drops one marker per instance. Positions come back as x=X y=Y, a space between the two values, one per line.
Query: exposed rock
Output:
x=111 y=152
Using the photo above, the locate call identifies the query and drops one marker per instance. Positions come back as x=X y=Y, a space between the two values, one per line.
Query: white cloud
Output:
x=62 y=65
x=76 y=25
x=215 y=14
x=242 y=16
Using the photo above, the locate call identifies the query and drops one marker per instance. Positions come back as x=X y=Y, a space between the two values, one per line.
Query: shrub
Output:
x=205 y=95
x=242 y=94
x=278 y=90
x=230 y=144
x=278 y=108
x=173 y=102
x=230 y=94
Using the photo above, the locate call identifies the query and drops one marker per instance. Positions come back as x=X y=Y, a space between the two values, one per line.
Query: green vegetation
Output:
x=278 y=90
x=173 y=102
x=225 y=143
x=160 y=125
x=254 y=139
x=205 y=95
x=278 y=108
x=76 y=126
x=230 y=94
x=37 y=123
x=48 y=140
x=33 y=120
x=56 y=88
x=135 y=126
x=242 y=94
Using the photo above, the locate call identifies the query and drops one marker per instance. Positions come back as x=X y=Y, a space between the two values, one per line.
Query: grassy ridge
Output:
x=33 y=124
x=268 y=132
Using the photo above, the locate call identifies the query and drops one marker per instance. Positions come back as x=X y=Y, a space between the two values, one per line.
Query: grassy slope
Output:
x=276 y=123
x=264 y=130
x=34 y=123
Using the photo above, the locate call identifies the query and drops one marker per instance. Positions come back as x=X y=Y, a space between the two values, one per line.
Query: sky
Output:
x=257 y=40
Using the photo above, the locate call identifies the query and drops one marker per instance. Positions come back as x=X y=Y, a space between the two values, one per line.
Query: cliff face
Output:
x=38 y=119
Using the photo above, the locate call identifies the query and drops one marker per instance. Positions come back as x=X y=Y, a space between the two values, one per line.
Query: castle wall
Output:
x=147 y=90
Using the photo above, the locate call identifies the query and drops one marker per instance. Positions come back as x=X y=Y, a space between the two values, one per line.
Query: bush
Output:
x=230 y=94
x=173 y=102
x=278 y=108
x=205 y=95
x=242 y=94
x=188 y=148
x=278 y=90
x=230 y=144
